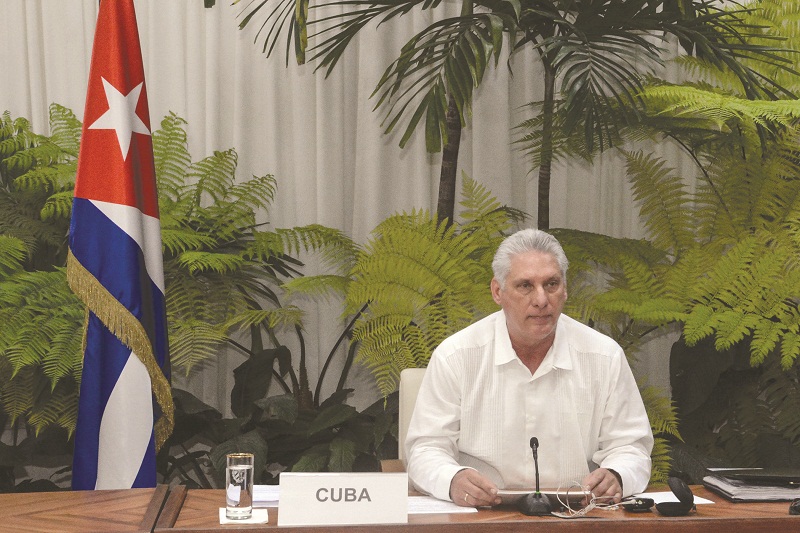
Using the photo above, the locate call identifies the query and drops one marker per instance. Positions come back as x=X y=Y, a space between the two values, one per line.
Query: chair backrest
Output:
x=410 y=380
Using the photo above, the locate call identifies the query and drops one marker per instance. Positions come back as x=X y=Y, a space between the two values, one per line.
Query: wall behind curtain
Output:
x=318 y=136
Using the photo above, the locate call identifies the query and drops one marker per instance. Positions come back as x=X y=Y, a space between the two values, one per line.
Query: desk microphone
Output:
x=535 y=503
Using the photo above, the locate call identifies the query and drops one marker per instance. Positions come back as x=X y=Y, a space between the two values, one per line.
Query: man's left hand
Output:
x=603 y=484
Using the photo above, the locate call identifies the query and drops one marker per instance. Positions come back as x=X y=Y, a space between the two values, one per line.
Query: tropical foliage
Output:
x=597 y=53
x=40 y=318
x=224 y=274
x=720 y=263
x=425 y=280
x=597 y=56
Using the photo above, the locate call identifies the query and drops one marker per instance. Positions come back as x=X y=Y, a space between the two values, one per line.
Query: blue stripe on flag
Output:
x=115 y=259
x=104 y=359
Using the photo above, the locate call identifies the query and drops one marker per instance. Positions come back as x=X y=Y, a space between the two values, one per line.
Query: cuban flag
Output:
x=115 y=265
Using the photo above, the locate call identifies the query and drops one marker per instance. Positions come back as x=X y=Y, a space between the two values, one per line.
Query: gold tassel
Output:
x=130 y=332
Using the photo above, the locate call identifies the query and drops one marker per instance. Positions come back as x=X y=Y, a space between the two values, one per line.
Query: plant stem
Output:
x=345 y=334
x=445 y=208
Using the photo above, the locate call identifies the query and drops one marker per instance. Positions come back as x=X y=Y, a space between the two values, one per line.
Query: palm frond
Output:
x=423 y=281
x=448 y=58
x=12 y=253
x=663 y=201
x=171 y=155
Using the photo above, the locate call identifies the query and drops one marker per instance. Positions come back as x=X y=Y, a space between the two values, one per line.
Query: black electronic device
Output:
x=535 y=503
x=685 y=503
x=794 y=507
x=636 y=504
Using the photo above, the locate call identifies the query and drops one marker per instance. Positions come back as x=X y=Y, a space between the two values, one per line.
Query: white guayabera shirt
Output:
x=479 y=406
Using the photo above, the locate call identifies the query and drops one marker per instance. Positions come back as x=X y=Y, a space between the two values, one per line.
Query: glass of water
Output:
x=239 y=486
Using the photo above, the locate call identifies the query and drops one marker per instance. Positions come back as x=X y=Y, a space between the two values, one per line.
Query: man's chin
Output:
x=539 y=332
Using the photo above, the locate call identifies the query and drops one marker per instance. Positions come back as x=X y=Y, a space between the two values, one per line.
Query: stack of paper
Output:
x=266 y=495
x=741 y=488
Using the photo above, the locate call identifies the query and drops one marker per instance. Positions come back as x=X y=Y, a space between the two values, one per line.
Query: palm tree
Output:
x=600 y=50
x=601 y=53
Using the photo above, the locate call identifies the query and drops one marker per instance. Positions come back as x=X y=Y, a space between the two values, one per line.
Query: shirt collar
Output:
x=557 y=356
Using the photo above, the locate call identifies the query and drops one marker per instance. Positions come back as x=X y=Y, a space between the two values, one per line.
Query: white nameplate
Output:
x=338 y=498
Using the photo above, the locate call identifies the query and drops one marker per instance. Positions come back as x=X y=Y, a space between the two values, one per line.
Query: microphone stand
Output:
x=535 y=503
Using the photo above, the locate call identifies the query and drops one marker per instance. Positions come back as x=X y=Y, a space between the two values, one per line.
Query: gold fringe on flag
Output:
x=127 y=328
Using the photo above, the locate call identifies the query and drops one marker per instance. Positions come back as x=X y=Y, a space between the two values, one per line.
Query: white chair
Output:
x=410 y=380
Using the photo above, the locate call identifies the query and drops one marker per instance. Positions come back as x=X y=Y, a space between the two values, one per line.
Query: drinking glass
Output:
x=239 y=486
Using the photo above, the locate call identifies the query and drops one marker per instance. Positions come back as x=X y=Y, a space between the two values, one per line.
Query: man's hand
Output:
x=469 y=488
x=603 y=484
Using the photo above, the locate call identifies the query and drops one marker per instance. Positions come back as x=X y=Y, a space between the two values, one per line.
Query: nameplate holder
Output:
x=342 y=498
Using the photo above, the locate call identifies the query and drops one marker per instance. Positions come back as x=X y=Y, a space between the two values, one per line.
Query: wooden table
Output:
x=82 y=511
x=197 y=511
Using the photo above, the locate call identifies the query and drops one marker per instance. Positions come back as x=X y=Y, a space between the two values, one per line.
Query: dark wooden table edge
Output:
x=154 y=508
x=168 y=514
x=686 y=524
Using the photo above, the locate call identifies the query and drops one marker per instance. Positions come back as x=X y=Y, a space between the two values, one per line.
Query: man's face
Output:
x=533 y=297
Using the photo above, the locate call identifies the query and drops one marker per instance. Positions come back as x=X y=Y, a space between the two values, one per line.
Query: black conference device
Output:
x=685 y=502
x=535 y=503
x=637 y=505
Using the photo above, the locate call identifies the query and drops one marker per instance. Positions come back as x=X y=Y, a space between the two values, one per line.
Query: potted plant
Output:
x=224 y=273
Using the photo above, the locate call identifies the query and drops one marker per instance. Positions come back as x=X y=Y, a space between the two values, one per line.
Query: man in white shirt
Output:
x=527 y=371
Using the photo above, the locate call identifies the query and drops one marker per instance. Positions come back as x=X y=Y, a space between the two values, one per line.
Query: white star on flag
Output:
x=121 y=116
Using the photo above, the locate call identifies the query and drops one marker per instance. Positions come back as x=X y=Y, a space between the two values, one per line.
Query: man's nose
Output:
x=538 y=297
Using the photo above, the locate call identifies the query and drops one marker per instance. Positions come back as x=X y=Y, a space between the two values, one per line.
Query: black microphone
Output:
x=536 y=503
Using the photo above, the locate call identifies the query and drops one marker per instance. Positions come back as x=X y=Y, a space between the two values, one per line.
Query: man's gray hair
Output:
x=527 y=240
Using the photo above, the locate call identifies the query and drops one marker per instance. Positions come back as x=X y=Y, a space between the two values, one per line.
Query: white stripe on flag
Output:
x=143 y=229
x=126 y=427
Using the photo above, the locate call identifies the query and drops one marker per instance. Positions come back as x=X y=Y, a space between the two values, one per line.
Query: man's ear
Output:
x=495 y=285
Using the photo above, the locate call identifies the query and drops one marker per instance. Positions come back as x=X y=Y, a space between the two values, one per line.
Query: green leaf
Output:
x=283 y=407
x=314 y=460
x=331 y=417
x=250 y=442
x=251 y=380
x=342 y=455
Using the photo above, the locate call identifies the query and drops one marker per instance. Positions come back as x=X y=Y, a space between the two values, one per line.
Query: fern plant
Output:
x=39 y=316
x=223 y=268
x=423 y=281
x=720 y=264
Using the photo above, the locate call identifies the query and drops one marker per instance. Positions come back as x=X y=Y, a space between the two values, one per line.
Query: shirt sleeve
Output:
x=626 y=439
x=432 y=439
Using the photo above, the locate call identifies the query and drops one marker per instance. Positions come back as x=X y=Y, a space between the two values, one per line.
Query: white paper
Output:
x=266 y=495
x=260 y=516
x=428 y=505
x=661 y=497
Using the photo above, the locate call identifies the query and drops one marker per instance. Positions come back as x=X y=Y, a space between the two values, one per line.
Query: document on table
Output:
x=661 y=497
x=429 y=505
x=266 y=495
